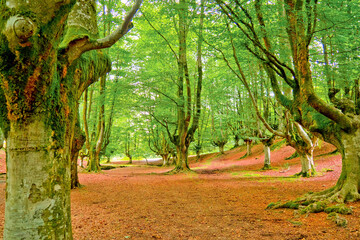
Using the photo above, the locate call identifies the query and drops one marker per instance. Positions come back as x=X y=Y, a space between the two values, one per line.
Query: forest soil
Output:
x=224 y=198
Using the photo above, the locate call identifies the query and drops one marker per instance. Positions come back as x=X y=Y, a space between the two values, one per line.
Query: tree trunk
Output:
x=236 y=141
x=248 y=147
x=348 y=186
x=74 y=173
x=101 y=127
x=221 y=148
x=181 y=163
x=267 y=160
x=77 y=143
x=37 y=203
x=130 y=158
x=198 y=155
x=307 y=164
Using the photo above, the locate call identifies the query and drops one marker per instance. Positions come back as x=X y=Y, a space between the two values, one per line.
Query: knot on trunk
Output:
x=24 y=28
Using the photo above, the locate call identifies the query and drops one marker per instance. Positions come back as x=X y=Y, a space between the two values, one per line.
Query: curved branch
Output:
x=330 y=112
x=84 y=44
x=303 y=134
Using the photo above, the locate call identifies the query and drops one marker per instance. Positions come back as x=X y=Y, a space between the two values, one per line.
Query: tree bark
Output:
x=38 y=183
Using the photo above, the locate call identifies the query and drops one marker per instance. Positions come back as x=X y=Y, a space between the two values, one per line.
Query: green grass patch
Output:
x=296 y=223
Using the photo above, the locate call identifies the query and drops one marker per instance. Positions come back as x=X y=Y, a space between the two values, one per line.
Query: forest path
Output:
x=224 y=199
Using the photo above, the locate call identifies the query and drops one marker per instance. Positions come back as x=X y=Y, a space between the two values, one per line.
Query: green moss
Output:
x=315 y=207
x=272 y=205
x=296 y=223
x=291 y=205
x=339 y=221
x=339 y=208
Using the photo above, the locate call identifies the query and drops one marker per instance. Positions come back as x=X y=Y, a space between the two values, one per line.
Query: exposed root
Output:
x=340 y=221
x=305 y=174
x=179 y=170
x=266 y=167
x=323 y=201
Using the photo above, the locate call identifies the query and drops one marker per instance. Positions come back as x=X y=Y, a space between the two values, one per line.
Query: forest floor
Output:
x=224 y=198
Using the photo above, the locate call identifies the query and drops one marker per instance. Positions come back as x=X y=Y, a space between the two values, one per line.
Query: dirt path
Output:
x=225 y=199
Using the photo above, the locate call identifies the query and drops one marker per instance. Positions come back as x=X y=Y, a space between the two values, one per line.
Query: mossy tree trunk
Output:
x=41 y=69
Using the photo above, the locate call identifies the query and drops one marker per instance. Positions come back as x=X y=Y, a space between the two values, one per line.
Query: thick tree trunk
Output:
x=93 y=164
x=181 y=159
x=37 y=202
x=348 y=185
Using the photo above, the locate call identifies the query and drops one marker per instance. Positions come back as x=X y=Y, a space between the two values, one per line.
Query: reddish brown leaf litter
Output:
x=225 y=198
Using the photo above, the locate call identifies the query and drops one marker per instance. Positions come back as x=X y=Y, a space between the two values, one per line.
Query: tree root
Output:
x=179 y=170
x=331 y=201
x=266 y=167
x=340 y=221
x=305 y=174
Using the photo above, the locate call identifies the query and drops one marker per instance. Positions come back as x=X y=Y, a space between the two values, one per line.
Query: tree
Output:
x=336 y=123
x=188 y=99
x=43 y=64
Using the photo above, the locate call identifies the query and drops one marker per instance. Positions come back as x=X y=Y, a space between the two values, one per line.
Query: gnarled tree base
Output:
x=178 y=170
x=330 y=200
x=266 y=167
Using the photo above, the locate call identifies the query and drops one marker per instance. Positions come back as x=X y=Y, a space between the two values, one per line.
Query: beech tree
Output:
x=45 y=64
x=337 y=123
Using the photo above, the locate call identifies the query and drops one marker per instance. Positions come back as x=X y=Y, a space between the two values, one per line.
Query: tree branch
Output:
x=84 y=44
